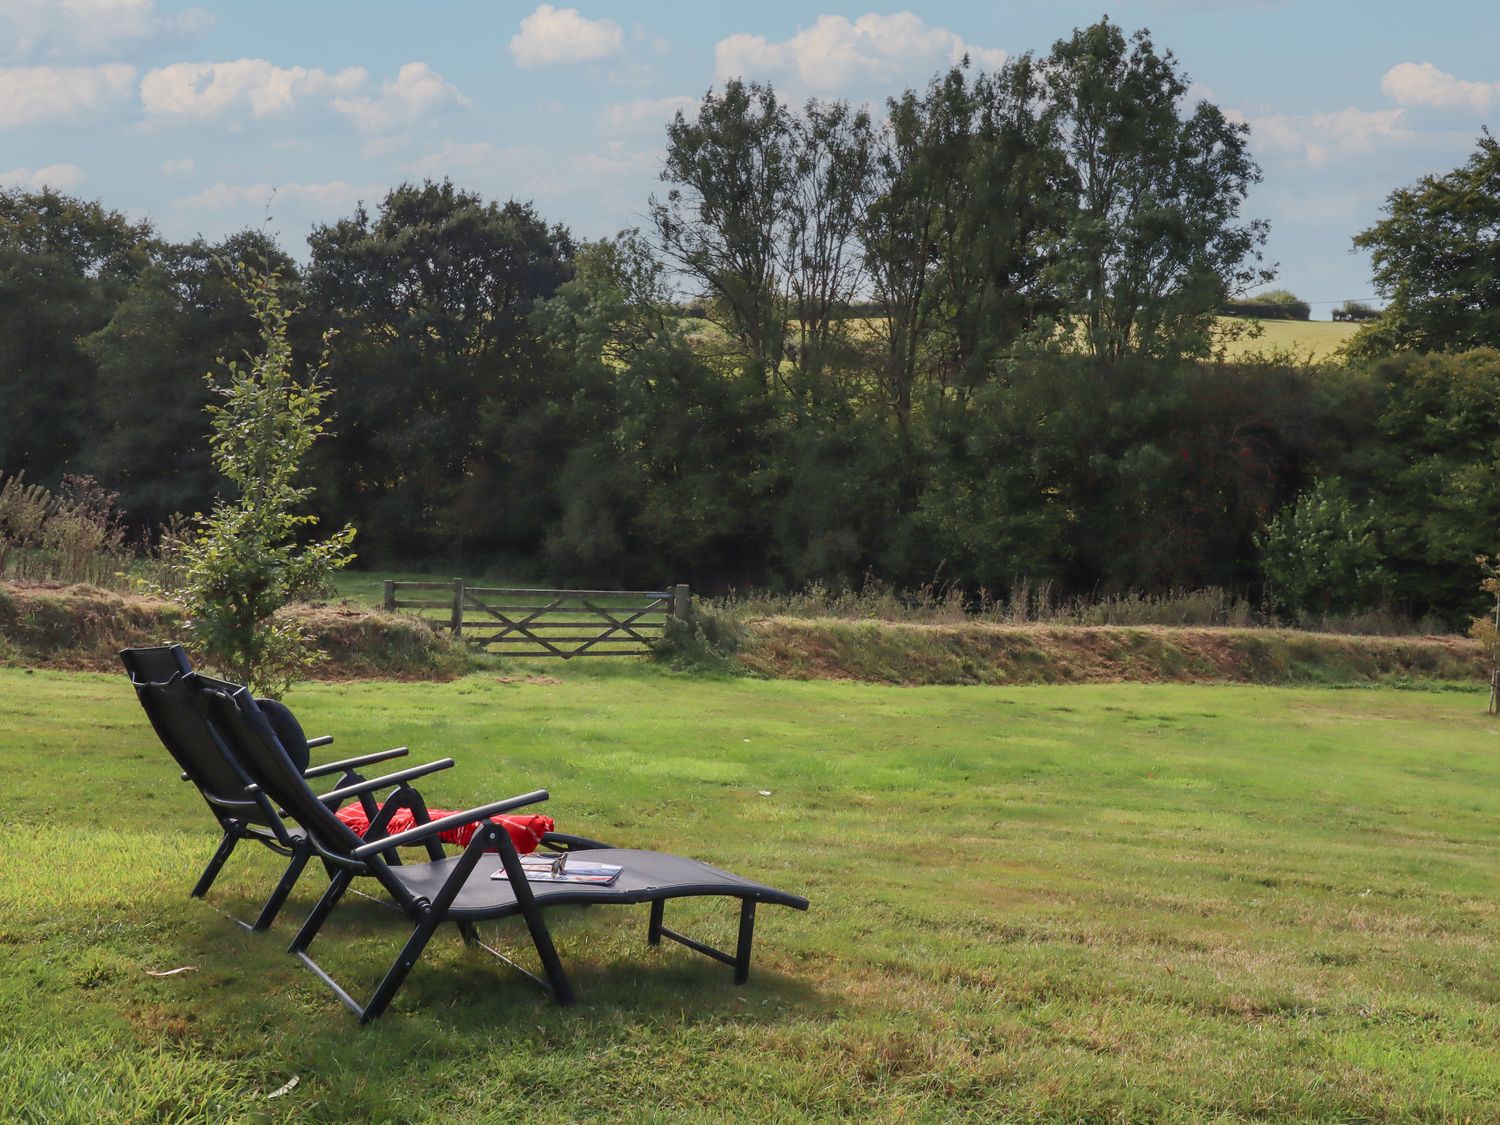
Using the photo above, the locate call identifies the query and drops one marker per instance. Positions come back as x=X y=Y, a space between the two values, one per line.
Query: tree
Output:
x=733 y=171
x=180 y=314
x=430 y=299
x=957 y=237
x=1271 y=304
x=1155 y=244
x=835 y=154
x=1321 y=554
x=244 y=561
x=1435 y=260
x=1431 y=465
x=65 y=264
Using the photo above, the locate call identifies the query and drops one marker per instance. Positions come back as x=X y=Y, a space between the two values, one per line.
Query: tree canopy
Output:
x=1436 y=256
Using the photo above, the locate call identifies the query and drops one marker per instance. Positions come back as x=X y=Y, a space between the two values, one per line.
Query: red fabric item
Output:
x=525 y=831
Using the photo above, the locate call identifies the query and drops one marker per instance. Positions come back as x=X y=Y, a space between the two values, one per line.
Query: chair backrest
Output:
x=165 y=684
x=252 y=739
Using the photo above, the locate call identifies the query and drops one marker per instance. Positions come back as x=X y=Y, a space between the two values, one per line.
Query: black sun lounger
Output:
x=460 y=888
x=172 y=696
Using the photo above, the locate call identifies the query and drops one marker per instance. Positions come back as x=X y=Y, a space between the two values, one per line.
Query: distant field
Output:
x=1304 y=339
x=1114 y=903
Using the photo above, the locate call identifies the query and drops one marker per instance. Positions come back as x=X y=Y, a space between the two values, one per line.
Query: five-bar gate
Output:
x=563 y=623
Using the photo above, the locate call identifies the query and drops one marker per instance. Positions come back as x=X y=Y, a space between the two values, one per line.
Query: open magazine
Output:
x=560 y=867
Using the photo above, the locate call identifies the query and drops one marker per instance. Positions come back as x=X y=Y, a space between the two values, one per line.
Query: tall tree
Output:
x=179 y=316
x=430 y=299
x=733 y=174
x=958 y=239
x=1155 y=244
x=65 y=264
x=1437 y=260
x=835 y=162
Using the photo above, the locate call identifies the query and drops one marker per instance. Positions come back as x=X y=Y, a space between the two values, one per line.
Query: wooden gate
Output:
x=563 y=623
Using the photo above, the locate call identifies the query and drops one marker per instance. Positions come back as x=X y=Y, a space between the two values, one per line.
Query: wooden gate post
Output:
x=390 y=595
x=458 y=607
x=682 y=601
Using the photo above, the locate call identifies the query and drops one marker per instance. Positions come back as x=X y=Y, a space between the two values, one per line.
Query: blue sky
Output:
x=193 y=115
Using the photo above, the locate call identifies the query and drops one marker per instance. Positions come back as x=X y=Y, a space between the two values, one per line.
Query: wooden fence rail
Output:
x=563 y=623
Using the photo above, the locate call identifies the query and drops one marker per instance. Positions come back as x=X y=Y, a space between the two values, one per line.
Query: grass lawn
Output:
x=1121 y=903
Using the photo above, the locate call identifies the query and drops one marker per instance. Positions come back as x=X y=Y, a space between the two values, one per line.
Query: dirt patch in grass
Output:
x=82 y=628
x=887 y=652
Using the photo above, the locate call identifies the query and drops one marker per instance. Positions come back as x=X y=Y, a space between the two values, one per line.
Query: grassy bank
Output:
x=907 y=653
x=84 y=627
x=1157 y=902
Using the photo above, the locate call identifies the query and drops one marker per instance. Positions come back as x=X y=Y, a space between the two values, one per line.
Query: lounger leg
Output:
x=653 y=928
x=747 y=935
x=211 y=872
x=562 y=988
x=314 y=921
x=387 y=988
x=278 y=896
x=468 y=932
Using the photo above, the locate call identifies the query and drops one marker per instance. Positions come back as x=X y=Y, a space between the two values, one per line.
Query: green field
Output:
x=1303 y=339
x=1120 y=903
x=1307 y=340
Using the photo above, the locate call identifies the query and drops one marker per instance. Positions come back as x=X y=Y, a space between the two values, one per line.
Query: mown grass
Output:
x=1119 y=902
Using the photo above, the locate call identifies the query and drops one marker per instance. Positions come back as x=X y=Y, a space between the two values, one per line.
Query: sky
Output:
x=209 y=117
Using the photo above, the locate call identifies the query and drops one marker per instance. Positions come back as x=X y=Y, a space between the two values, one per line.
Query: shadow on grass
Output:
x=619 y=981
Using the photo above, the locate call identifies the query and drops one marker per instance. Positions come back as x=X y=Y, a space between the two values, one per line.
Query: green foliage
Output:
x=1432 y=463
x=1355 y=310
x=734 y=170
x=1154 y=244
x=65 y=264
x=430 y=298
x=178 y=317
x=1434 y=259
x=1321 y=554
x=245 y=560
x=1272 y=304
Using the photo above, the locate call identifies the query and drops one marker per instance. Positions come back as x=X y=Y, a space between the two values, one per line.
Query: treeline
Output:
x=1034 y=393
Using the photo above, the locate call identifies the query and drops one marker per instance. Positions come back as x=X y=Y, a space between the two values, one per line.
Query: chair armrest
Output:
x=389 y=780
x=321 y=740
x=354 y=763
x=563 y=842
x=456 y=820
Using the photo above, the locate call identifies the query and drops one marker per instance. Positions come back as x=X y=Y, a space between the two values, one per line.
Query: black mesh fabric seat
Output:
x=171 y=694
x=462 y=888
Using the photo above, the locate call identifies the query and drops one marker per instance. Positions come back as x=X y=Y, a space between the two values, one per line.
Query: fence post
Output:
x=390 y=595
x=458 y=607
x=682 y=601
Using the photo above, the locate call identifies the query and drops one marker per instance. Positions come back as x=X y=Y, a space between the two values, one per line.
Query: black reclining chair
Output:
x=461 y=889
x=169 y=692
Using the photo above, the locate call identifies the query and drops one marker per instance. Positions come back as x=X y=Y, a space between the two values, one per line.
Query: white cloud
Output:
x=834 y=52
x=561 y=35
x=524 y=170
x=29 y=94
x=63 y=177
x=337 y=195
x=70 y=28
x=206 y=91
x=1318 y=137
x=416 y=89
x=1422 y=84
x=182 y=167
x=645 y=113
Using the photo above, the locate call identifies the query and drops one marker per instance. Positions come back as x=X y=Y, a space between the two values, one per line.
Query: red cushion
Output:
x=525 y=831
